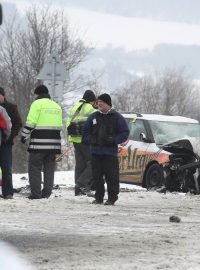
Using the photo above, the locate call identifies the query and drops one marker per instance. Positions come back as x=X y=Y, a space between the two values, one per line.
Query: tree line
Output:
x=170 y=92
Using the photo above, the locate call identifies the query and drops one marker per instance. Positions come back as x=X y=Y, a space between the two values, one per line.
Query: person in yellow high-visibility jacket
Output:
x=43 y=127
x=75 y=123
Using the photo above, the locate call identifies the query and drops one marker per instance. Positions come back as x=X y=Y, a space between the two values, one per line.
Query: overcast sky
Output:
x=132 y=24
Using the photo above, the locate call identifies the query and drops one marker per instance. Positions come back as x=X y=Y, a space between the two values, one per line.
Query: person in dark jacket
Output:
x=104 y=130
x=6 y=147
x=42 y=129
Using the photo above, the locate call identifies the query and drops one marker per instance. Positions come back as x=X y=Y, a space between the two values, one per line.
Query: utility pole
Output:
x=53 y=75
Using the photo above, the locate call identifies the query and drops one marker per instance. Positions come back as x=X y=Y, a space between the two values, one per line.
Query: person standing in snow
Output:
x=75 y=122
x=7 y=145
x=43 y=127
x=104 y=130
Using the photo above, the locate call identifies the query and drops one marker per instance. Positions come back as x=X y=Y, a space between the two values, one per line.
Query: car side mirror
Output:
x=143 y=137
x=1 y=14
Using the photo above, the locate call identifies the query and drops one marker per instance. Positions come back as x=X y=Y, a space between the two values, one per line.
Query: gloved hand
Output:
x=23 y=140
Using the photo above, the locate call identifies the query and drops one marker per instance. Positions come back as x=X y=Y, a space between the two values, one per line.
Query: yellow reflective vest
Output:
x=85 y=111
x=43 y=126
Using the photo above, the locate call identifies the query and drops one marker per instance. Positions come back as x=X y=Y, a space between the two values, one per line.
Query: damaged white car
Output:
x=161 y=150
x=182 y=172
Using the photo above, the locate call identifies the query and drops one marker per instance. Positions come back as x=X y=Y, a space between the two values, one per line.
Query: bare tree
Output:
x=171 y=92
x=25 y=48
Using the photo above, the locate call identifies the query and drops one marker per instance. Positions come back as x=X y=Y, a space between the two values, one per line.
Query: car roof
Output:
x=159 y=117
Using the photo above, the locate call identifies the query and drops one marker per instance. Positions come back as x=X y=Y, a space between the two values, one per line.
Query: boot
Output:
x=97 y=202
x=109 y=202
x=79 y=191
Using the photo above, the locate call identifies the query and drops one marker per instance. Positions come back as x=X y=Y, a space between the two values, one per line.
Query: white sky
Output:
x=133 y=33
x=130 y=33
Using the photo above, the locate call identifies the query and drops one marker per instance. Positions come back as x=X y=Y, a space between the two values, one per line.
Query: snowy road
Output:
x=67 y=232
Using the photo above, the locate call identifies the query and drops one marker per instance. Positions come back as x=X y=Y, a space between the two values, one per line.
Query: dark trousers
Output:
x=37 y=163
x=83 y=168
x=6 y=167
x=108 y=167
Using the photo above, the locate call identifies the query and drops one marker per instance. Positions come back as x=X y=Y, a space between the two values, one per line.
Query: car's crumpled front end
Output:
x=183 y=169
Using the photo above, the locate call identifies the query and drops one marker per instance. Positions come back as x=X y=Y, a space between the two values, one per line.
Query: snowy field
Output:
x=68 y=232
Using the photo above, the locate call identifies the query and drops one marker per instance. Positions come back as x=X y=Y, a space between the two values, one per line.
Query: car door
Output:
x=132 y=156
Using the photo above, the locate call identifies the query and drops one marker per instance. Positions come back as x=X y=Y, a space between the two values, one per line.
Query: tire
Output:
x=154 y=177
x=192 y=185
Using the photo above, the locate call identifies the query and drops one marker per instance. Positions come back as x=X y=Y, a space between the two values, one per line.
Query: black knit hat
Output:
x=89 y=96
x=105 y=98
x=2 y=92
x=41 y=89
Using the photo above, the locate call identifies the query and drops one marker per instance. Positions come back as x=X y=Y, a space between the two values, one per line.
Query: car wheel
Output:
x=193 y=186
x=154 y=176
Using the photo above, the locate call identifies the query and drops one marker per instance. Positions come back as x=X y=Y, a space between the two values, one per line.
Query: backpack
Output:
x=76 y=128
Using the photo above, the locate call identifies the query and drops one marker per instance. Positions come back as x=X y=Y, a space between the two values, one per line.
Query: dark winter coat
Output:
x=105 y=131
x=15 y=120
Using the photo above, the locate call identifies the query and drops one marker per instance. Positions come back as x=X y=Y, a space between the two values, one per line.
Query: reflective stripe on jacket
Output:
x=43 y=126
x=86 y=110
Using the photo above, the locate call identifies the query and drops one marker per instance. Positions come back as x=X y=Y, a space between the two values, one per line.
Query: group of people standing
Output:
x=99 y=128
x=94 y=127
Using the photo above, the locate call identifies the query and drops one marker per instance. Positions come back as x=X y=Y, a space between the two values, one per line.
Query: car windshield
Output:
x=165 y=132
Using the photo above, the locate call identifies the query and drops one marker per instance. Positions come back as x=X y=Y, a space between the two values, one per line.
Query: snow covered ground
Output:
x=68 y=232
